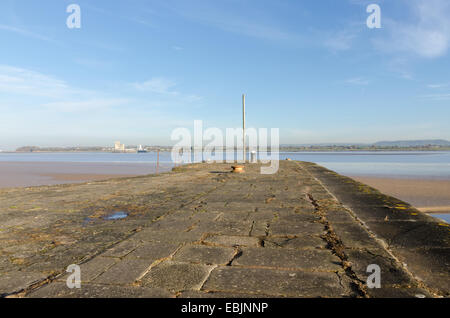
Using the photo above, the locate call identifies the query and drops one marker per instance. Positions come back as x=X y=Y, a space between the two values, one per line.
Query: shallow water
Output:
x=424 y=164
x=444 y=217
x=116 y=216
x=415 y=164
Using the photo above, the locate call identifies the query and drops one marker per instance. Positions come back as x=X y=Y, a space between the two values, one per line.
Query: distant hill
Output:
x=397 y=143
x=412 y=143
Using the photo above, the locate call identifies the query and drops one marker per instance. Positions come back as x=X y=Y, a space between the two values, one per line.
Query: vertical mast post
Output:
x=243 y=127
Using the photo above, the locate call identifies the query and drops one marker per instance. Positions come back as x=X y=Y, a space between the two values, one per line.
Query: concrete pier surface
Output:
x=201 y=231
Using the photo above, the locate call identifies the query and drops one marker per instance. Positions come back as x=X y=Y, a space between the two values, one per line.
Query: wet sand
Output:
x=428 y=195
x=26 y=174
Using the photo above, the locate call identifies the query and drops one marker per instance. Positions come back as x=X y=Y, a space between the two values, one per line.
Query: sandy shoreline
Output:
x=428 y=195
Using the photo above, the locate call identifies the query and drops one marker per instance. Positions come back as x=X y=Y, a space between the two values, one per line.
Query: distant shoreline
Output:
x=284 y=150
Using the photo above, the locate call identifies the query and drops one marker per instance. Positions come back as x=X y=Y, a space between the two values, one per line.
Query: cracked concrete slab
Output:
x=299 y=242
x=311 y=260
x=275 y=282
x=232 y=241
x=204 y=254
x=176 y=277
x=124 y=272
x=60 y=290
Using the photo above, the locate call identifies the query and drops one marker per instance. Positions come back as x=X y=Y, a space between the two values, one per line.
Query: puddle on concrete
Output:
x=119 y=215
x=86 y=221
x=116 y=216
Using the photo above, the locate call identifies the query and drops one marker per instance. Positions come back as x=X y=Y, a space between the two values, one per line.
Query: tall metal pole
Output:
x=243 y=126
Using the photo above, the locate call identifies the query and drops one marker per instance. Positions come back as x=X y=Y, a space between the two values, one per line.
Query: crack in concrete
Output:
x=337 y=247
x=386 y=246
x=251 y=228
x=138 y=280
x=237 y=254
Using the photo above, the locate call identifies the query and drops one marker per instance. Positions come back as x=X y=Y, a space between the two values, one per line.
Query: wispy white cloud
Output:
x=58 y=94
x=26 y=82
x=439 y=85
x=428 y=35
x=437 y=97
x=340 y=41
x=401 y=66
x=25 y=32
x=48 y=92
x=158 y=85
x=253 y=29
x=165 y=88
x=121 y=16
x=357 y=81
x=92 y=62
x=86 y=105
x=241 y=24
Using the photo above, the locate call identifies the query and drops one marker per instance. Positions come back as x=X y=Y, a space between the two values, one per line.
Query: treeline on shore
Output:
x=282 y=148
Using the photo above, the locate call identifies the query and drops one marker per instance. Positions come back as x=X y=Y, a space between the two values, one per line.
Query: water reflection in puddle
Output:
x=116 y=216
x=110 y=217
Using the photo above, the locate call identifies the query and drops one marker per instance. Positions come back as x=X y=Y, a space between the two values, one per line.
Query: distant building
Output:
x=118 y=147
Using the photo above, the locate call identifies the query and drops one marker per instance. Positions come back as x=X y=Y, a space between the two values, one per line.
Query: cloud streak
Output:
x=437 y=97
x=51 y=93
x=26 y=82
x=428 y=36
x=59 y=95
x=440 y=85
x=357 y=81
x=25 y=32
x=159 y=85
x=340 y=41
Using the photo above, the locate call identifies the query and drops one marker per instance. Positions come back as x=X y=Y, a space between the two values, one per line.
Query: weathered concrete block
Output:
x=16 y=281
x=153 y=251
x=284 y=228
x=298 y=218
x=275 y=282
x=169 y=236
x=391 y=273
x=430 y=265
x=124 y=272
x=354 y=235
x=412 y=234
x=92 y=269
x=123 y=248
x=177 y=276
x=301 y=242
x=203 y=294
x=317 y=260
x=339 y=216
x=205 y=254
x=225 y=227
x=230 y=240
x=398 y=292
x=60 y=290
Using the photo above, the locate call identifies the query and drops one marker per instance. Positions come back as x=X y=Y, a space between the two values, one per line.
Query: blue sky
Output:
x=138 y=69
